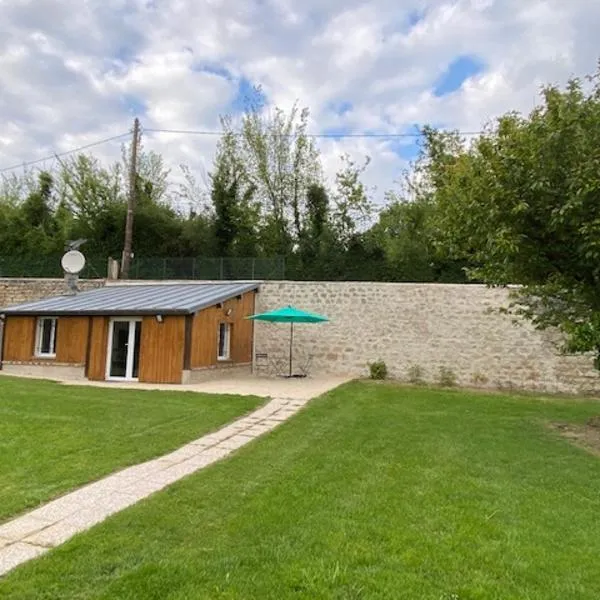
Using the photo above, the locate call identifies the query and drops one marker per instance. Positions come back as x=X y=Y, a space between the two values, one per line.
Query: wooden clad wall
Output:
x=241 y=342
x=72 y=339
x=161 y=349
x=96 y=364
x=205 y=332
x=19 y=338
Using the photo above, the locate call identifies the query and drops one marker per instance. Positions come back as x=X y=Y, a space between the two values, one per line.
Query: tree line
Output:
x=265 y=196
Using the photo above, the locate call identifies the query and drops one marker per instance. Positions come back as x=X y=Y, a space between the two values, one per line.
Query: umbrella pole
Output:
x=291 y=345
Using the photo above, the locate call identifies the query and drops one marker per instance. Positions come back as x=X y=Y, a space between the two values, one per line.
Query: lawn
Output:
x=54 y=438
x=371 y=492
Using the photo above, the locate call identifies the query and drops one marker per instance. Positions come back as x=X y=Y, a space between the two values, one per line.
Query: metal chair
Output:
x=305 y=365
x=278 y=366
x=261 y=362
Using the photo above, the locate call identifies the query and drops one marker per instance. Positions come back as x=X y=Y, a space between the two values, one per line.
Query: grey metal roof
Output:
x=136 y=299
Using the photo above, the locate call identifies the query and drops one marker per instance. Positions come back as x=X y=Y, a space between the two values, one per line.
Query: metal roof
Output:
x=124 y=300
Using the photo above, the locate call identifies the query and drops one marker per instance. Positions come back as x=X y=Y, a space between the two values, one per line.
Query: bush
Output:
x=378 y=370
x=447 y=377
x=479 y=379
x=416 y=375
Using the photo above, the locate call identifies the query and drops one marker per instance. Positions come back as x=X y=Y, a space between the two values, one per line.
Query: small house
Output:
x=155 y=333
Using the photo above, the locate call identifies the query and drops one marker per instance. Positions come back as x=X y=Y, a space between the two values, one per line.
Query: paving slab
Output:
x=54 y=535
x=16 y=554
x=21 y=527
x=56 y=510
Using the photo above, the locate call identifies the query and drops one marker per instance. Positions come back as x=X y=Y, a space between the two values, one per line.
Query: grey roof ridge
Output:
x=190 y=282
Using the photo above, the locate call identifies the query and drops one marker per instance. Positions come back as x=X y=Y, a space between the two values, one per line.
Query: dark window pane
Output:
x=136 y=349
x=47 y=340
x=224 y=333
x=118 y=356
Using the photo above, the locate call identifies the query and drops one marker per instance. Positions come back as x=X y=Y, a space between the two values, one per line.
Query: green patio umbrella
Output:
x=291 y=315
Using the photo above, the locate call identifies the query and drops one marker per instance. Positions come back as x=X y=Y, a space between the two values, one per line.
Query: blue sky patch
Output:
x=244 y=91
x=134 y=106
x=415 y=17
x=458 y=71
x=341 y=107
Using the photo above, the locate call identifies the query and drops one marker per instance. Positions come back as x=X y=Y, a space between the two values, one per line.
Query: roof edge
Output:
x=243 y=288
x=250 y=287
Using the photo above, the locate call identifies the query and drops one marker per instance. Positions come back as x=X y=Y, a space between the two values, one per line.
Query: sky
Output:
x=73 y=72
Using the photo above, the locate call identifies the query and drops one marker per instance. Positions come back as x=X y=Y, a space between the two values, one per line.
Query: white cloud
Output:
x=73 y=72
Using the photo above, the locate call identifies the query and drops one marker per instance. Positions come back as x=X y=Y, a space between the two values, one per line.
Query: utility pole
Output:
x=131 y=201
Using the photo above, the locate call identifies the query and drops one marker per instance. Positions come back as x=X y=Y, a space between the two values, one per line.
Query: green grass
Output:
x=54 y=437
x=371 y=492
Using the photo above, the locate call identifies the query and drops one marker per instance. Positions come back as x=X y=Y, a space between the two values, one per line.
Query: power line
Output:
x=53 y=156
x=310 y=135
x=220 y=133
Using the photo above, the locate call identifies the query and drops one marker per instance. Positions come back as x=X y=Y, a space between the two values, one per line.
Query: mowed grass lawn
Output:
x=371 y=492
x=55 y=437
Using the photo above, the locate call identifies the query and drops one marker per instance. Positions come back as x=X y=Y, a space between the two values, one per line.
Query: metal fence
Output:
x=152 y=268
x=207 y=268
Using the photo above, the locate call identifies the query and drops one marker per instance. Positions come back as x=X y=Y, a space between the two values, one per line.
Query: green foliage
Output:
x=378 y=370
x=353 y=207
x=416 y=375
x=447 y=377
x=521 y=203
x=479 y=379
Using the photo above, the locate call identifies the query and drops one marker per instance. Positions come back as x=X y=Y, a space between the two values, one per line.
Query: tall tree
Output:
x=232 y=194
x=522 y=202
x=353 y=206
x=316 y=240
x=280 y=162
x=36 y=222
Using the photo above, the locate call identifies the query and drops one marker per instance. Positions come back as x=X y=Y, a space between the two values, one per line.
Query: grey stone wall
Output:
x=456 y=327
x=17 y=291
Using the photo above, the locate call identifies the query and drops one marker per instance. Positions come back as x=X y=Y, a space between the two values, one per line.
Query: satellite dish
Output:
x=73 y=262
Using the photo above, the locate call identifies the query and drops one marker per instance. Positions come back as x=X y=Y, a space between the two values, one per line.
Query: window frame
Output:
x=227 y=346
x=39 y=337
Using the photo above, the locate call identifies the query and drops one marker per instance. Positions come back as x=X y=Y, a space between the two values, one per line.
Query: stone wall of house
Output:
x=432 y=326
x=17 y=291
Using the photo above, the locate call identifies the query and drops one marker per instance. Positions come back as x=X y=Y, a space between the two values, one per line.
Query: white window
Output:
x=224 y=341
x=45 y=337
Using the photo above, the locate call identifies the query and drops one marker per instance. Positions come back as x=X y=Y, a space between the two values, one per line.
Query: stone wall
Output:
x=17 y=291
x=457 y=327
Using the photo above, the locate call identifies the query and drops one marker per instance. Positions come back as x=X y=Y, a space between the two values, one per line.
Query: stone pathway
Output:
x=36 y=532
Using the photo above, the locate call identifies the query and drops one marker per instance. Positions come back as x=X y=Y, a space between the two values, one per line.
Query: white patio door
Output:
x=123 y=353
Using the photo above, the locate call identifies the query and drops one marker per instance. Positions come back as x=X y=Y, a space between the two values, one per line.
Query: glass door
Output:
x=123 y=355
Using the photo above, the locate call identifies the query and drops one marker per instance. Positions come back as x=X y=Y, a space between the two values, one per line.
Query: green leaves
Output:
x=522 y=202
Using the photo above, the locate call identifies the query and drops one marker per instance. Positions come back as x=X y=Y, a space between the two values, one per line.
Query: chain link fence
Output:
x=207 y=268
x=152 y=268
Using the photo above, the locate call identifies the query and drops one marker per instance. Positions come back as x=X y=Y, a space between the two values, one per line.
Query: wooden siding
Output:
x=205 y=332
x=96 y=364
x=243 y=329
x=161 y=349
x=72 y=339
x=19 y=338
